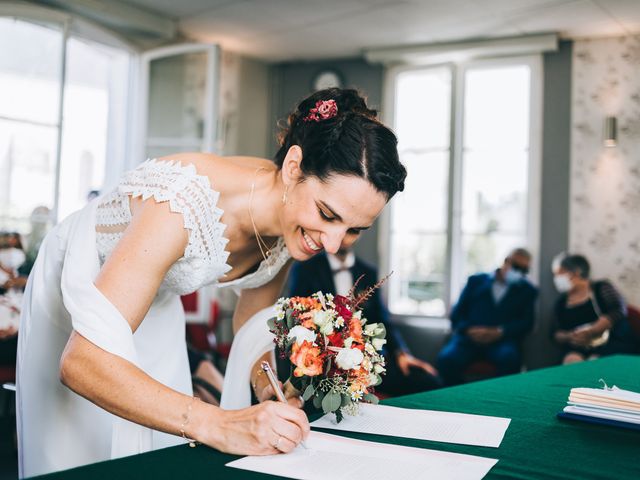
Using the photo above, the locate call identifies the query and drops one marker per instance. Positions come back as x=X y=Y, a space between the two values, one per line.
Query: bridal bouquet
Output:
x=334 y=353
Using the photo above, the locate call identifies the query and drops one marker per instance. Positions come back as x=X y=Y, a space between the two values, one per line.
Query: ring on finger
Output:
x=276 y=445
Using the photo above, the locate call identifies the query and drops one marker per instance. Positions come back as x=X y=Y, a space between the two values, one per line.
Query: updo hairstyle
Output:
x=348 y=140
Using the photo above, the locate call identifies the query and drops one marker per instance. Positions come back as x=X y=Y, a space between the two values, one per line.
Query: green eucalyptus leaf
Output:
x=271 y=323
x=371 y=398
x=290 y=320
x=317 y=399
x=308 y=392
x=346 y=400
x=331 y=402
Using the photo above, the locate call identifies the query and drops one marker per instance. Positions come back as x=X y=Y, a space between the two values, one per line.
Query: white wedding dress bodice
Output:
x=58 y=429
x=191 y=195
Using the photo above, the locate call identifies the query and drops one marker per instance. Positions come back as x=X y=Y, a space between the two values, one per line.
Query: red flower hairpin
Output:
x=323 y=110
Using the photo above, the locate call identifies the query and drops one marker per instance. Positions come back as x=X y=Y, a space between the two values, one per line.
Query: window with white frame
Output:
x=468 y=135
x=63 y=117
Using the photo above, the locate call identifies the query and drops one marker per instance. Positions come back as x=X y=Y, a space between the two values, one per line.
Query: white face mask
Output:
x=12 y=258
x=513 y=276
x=562 y=282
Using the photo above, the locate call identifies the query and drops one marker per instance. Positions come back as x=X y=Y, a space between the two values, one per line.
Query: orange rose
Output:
x=306 y=320
x=355 y=330
x=360 y=381
x=307 y=359
x=308 y=303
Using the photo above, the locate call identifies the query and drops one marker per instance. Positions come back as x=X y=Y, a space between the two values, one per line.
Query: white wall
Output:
x=605 y=182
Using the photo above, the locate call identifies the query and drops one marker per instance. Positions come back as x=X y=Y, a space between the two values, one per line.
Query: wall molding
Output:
x=457 y=52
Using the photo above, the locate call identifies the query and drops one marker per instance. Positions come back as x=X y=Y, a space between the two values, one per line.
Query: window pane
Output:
x=418 y=265
x=419 y=214
x=177 y=87
x=497 y=108
x=29 y=71
x=422 y=207
x=423 y=105
x=494 y=194
x=29 y=110
x=27 y=172
x=485 y=252
x=92 y=95
x=495 y=165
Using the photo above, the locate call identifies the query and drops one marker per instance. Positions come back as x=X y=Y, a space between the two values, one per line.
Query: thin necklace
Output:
x=265 y=250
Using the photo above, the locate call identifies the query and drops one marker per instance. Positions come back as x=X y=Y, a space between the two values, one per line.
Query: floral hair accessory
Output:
x=323 y=110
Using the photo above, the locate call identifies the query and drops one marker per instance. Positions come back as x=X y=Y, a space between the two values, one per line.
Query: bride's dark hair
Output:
x=349 y=141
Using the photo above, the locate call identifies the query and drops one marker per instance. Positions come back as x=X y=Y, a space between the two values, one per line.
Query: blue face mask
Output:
x=513 y=276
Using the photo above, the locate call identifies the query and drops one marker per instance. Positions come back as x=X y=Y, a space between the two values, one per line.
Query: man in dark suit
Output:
x=493 y=315
x=336 y=274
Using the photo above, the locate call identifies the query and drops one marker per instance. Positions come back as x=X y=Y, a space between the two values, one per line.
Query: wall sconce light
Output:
x=610 y=131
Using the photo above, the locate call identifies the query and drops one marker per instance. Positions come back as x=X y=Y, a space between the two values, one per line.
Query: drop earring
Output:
x=284 y=195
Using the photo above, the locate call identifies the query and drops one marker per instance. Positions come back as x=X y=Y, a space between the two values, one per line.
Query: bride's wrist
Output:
x=259 y=383
x=206 y=424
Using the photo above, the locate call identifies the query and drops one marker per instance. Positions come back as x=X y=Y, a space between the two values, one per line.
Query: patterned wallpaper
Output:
x=605 y=182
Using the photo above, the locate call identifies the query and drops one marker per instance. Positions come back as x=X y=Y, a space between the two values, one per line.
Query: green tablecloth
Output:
x=536 y=444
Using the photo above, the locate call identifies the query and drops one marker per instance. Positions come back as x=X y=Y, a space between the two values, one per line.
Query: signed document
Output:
x=335 y=457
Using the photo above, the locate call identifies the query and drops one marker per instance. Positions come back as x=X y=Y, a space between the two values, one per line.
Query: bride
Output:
x=102 y=361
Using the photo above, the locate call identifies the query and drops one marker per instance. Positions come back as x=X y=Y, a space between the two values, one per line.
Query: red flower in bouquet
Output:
x=342 y=307
x=336 y=339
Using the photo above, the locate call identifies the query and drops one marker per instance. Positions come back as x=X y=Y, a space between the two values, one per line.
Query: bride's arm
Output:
x=129 y=279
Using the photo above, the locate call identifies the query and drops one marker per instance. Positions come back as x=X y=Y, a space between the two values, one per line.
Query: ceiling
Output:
x=282 y=30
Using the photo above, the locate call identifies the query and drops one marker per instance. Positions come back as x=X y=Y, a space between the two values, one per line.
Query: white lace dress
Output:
x=58 y=429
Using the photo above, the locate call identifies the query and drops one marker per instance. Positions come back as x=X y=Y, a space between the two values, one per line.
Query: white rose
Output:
x=370 y=328
x=301 y=334
x=349 y=358
x=378 y=343
x=321 y=317
x=327 y=328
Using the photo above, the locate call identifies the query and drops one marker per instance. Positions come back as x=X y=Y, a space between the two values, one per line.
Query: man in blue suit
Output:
x=336 y=274
x=493 y=315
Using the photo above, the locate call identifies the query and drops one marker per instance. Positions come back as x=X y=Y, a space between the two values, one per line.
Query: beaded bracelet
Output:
x=185 y=422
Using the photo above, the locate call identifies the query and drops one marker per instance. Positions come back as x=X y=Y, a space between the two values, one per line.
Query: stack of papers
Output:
x=611 y=406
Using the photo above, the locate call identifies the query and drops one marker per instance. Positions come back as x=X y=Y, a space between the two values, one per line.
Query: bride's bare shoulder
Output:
x=217 y=165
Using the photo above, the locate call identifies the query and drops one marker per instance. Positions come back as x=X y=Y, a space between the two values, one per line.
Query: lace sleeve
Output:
x=191 y=195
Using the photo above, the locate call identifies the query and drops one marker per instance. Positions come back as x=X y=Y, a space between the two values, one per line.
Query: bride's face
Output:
x=326 y=215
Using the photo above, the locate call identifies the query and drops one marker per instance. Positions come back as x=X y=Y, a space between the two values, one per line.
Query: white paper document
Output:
x=331 y=456
x=433 y=425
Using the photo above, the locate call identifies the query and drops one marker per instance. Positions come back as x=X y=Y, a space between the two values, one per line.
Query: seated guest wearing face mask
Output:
x=590 y=316
x=491 y=318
